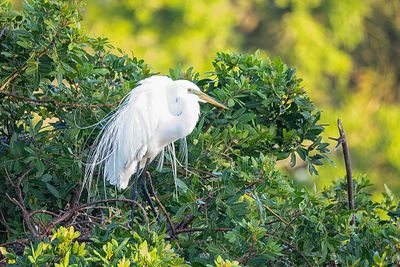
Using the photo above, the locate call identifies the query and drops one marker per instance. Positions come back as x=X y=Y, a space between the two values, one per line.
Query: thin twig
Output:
x=171 y=225
x=46 y=102
x=346 y=155
x=20 y=200
x=276 y=215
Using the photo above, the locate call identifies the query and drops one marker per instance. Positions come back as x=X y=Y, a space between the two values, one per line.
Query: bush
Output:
x=232 y=206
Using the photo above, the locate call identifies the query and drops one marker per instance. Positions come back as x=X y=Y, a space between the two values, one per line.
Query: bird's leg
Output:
x=134 y=192
x=146 y=194
x=143 y=185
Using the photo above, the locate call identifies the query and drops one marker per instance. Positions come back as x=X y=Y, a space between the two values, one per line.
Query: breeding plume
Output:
x=156 y=113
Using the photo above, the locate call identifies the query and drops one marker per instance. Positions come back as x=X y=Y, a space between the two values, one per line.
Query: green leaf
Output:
x=231 y=103
x=302 y=153
x=181 y=185
x=53 y=190
x=292 y=160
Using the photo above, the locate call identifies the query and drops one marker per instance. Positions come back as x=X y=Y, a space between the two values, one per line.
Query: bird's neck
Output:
x=189 y=116
x=180 y=123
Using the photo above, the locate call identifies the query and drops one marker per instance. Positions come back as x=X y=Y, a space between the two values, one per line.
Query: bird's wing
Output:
x=122 y=142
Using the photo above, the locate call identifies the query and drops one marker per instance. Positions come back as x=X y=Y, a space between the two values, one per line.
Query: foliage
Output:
x=63 y=249
x=233 y=206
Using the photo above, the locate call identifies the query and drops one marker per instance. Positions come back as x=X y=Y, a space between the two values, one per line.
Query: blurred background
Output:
x=347 y=52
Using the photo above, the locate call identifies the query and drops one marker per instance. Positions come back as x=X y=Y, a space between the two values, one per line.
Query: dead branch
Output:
x=346 y=155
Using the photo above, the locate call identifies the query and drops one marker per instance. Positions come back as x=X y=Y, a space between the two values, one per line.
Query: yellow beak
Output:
x=209 y=99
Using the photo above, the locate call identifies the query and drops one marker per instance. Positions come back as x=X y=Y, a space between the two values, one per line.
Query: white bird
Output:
x=156 y=113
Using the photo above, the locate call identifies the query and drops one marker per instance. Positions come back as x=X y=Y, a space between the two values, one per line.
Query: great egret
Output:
x=156 y=113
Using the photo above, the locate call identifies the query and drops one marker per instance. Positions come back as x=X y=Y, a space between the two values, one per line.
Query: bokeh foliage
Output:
x=233 y=206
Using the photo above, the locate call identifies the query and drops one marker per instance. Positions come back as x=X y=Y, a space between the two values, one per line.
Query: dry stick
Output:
x=171 y=225
x=345 y=148
x=46 y=102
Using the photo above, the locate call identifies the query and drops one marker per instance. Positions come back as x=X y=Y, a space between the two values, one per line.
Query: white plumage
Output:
x=156 y=113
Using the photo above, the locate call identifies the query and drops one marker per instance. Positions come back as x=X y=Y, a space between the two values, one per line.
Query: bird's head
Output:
x=191 y=90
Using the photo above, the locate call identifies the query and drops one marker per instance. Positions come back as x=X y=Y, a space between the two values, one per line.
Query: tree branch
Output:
x=346 y=155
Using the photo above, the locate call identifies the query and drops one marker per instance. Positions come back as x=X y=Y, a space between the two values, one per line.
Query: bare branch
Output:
x=346 y=155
